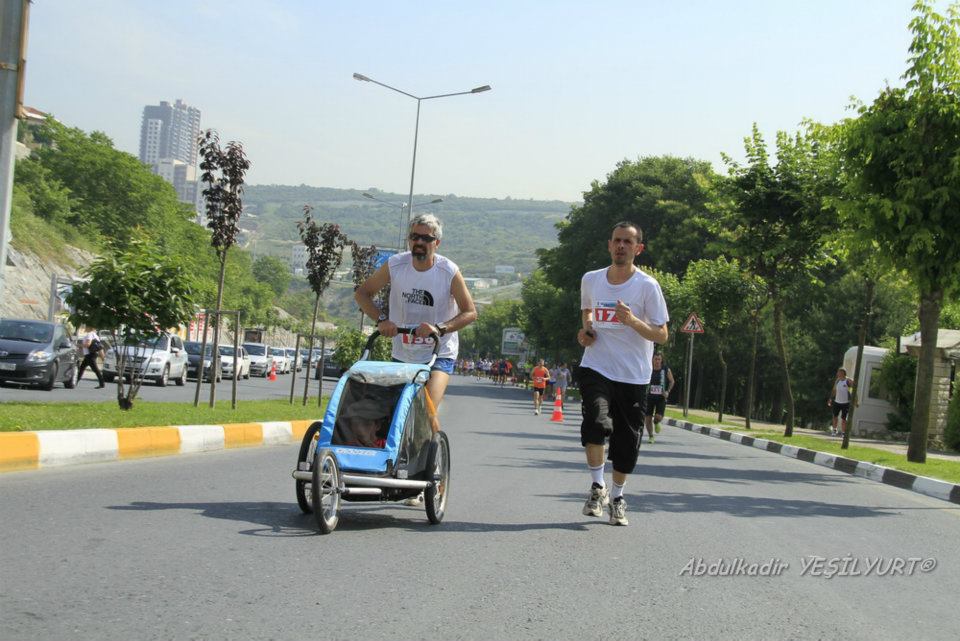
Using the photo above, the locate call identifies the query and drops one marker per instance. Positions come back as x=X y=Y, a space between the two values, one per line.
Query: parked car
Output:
x=330 y=367
x=159 y=359
x=193 y=360
x=228 y=360
x=260 y=359
x=280 y=357
x=294 y=357
x=38 y=353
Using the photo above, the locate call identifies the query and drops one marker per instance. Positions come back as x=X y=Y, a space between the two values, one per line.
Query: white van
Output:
x=870 y=416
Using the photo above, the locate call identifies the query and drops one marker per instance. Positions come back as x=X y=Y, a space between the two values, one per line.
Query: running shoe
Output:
x=416 y=501
x=618 y=512
x=651 y=439
x=599 y=496
x=656 y=427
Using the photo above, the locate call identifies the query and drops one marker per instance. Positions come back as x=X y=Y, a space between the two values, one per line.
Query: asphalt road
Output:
x=213 y=546
x=86 y=390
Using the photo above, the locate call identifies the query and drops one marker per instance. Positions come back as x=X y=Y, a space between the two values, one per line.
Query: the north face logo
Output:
x=418 y=297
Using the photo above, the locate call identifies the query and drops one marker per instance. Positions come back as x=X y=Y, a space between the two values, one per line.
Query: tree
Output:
x=486 y=334
x=273 y=272
x=223 y=171
x=135 y=293
x=325 y=244
x=720 y=291
x=773 y=220
x=666 y=196
x=551 y=316
x=902 y=154
x=364 y=264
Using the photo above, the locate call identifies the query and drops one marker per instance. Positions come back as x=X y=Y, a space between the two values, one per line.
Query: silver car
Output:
x=228 y=360
x=159 y=359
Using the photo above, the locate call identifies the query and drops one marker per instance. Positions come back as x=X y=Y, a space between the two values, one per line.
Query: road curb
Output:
x=54 y=448
x=921 y=484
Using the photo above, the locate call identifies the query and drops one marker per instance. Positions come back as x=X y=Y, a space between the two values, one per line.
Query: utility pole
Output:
x=13 y=45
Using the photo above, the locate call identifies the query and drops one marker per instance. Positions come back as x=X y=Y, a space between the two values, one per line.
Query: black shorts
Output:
x=656 y=404
x=539 y=390
x=840 y=409
x=613 y=409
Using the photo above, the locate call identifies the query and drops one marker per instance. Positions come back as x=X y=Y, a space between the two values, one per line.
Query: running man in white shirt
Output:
x=839 y=401
x=623 y=314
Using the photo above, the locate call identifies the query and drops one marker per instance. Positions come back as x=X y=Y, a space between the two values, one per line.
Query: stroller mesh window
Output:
x=364 y=414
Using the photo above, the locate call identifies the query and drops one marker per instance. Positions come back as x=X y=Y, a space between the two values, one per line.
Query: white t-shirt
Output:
x=422 y=297
x=88 y=338
x=843 y=391
x=620 y=353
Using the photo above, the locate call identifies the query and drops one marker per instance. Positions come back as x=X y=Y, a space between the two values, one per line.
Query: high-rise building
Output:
x=168 y=143
x=169 y=131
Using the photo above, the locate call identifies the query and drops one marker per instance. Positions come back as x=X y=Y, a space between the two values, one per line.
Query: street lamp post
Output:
x=402 y=206
x=416 y=128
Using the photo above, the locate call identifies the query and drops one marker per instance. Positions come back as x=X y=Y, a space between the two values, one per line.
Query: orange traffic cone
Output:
x=557 y=411
x=273 y=373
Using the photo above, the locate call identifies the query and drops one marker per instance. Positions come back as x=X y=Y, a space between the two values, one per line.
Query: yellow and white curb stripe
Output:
x=34 y=450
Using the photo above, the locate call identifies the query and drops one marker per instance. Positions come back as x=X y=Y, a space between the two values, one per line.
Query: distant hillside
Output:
x=479 y=233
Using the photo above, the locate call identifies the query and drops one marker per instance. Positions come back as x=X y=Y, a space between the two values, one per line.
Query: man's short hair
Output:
x=623 y=224
x=431 y=221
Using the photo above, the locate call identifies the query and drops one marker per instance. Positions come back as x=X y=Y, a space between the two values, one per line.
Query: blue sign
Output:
x=382 y=256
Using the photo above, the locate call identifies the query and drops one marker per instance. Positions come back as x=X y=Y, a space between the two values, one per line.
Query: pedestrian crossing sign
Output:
x=693 y=325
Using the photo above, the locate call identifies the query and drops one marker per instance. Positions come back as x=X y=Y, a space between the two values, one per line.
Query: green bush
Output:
x=350 y=343
x=897 y=379
x=951 y=433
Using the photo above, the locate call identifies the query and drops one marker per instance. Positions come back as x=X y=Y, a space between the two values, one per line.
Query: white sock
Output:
x=617 y=491
x=596 y=475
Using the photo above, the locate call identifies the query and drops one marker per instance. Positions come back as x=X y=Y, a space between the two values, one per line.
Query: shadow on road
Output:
x=286 y=519
x=281 y=519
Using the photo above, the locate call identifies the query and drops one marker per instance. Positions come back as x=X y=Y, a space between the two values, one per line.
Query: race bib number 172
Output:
x=605 y=314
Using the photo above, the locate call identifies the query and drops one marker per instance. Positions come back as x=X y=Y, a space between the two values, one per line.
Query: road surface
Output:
x=213 y=546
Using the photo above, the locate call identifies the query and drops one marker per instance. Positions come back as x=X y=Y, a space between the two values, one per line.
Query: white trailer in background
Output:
x=870 y=416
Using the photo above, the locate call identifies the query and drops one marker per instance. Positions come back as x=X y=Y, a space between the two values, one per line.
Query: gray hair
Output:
x=431 y=221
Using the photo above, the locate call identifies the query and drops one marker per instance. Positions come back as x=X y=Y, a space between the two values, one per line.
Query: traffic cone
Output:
x=557 y=411
x=273 y=373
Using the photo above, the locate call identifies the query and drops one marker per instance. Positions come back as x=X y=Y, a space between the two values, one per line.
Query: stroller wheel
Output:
x=325 y=491
x=308 y=450
x=438 y=466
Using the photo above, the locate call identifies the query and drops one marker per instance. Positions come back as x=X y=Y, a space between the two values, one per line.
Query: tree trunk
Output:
x=930 y=303
x=748 y=411
x=782 y=351
x=723 y=384
x=313 y=332
x=215 y=352
x=871 y=287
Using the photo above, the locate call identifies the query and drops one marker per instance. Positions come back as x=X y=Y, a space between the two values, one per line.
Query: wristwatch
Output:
x=441 y=329
x=382 y=317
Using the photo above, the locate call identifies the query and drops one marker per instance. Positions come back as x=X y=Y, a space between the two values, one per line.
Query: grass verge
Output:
x=17 y=417
x=943 y=470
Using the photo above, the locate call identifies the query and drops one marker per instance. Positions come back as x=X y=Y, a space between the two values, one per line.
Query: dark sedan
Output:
x=193 y=360
x=38 y=353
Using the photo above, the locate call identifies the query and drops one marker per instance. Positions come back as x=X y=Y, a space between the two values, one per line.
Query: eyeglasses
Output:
x=424 y=237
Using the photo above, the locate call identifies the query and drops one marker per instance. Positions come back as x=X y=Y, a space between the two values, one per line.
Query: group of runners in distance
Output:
x=623 y=314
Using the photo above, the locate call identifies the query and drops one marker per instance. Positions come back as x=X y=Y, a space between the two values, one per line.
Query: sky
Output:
x=576 y=86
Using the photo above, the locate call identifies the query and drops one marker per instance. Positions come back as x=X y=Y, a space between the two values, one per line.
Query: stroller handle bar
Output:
x=368 y=348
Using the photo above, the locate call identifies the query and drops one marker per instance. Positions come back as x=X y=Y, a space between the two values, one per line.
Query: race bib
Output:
x=656 y=390
x=412 y=339
x=605 y=314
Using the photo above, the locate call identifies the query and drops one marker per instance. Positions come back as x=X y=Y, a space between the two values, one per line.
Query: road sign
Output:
x=512 y=342
x=693 y=325
x=382 y=256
